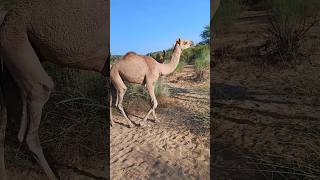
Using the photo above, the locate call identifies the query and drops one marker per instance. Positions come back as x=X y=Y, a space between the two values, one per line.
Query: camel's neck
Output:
x=168 y=68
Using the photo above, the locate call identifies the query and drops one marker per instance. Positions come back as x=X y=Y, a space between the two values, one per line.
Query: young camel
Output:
x=144 y=70
x=73 y=33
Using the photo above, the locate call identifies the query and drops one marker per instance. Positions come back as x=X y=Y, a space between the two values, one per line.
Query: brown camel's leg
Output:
x=154 y=102
x=30 y=76
x=111 y=121
x=24 y=118
x=36 y=99
x=3 y=124
x=155 y=116
x=121 y=90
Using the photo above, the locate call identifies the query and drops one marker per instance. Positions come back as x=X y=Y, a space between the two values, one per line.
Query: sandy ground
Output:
x=172 y=149
x=267 y=120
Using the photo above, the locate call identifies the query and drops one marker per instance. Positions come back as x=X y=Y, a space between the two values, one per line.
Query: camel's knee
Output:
x=120 y=107
x=41 y=91
x=154 y=104
x=122 y=91
x=33 y=143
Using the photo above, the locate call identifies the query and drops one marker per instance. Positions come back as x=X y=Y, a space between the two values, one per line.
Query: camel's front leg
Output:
x=110 y=106
x=36 y=99
x=31 y=77
x=24 y=118
x=155 y=116
x=154 y=102
x=121 y=92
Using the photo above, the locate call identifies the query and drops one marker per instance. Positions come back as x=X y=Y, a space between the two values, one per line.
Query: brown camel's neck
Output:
x=168 y=68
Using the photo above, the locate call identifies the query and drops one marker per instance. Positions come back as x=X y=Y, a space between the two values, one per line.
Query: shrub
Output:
x=202 y=62
x=137 y=90
x=289 y=24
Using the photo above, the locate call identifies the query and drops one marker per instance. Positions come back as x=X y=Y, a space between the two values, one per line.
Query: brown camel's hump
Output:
x=128 y=54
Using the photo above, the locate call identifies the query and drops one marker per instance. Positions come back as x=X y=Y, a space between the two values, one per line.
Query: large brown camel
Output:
x=145 y=70
x=73 y=33
x=142 y=70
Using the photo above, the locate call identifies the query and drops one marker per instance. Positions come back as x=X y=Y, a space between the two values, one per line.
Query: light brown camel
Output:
x=73 y=33
x=145 y=70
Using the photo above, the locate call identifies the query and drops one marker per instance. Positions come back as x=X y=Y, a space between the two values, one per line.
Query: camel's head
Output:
x=184 y=44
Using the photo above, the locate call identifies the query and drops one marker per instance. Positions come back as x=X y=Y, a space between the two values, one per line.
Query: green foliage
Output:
x=202 y=62
x=205 y=35
x=137 y=90
x=113 y=58
x=78 y=83
x=288 y=26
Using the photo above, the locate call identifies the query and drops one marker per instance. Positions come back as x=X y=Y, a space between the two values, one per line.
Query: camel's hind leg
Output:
x=24 y=118
x=121 y=90
x=154 y=102
x=29 y=74
x=110 y=107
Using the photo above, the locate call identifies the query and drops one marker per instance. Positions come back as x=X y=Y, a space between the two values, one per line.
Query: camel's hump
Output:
x=130 y=53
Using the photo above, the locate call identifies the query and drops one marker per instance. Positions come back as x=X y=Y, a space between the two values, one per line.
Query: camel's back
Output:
x=65 y=31
x=133 y=67
x=132 y=60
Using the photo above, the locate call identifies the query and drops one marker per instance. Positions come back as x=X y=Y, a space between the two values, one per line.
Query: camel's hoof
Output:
x=142 y=124
x=130 y=125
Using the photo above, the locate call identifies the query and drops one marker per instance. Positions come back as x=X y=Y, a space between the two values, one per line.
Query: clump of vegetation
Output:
x=205 y=35
x=202 y=63
x=289 y=24
x=137 y=90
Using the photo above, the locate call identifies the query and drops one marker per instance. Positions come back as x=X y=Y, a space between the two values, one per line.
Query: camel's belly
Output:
x=132 y=76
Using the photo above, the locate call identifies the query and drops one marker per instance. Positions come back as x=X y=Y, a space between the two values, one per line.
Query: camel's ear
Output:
x=178 y=41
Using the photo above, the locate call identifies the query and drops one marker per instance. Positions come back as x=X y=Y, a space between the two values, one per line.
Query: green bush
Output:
x=78 y=83
x=137 y=90
x=289 y=24
x=202 y=62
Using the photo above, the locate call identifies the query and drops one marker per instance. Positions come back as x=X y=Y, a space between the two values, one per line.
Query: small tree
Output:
x=205 y=35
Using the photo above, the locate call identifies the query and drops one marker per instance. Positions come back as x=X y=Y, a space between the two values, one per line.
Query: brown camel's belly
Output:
x=137 y=77
x=59 y=36
x=132 y=71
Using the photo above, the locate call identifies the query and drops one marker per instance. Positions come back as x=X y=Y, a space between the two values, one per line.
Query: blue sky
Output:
x=146 y=26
